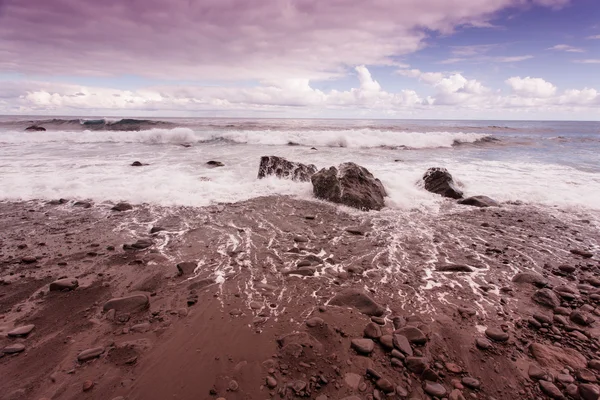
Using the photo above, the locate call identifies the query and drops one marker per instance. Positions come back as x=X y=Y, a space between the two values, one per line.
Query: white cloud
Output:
x=589 y=61
x=567 y=48
x=510 y=59
x=594 y=37
x=531 y=87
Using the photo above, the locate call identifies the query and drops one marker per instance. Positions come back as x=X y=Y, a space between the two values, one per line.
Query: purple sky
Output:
x=501 y=59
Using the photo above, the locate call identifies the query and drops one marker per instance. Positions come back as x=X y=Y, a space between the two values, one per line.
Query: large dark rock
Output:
x=479 y=201
x=35 y=128
x=351 y=185
x=282 y=168
x=439 y=181
x=359 y=300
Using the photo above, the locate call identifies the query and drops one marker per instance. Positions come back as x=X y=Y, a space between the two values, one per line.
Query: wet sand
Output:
x=272 y=294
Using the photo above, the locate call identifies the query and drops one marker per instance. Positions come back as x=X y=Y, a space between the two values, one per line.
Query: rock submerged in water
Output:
x=438 y=180
x=122 y=207
x=282 y=168
x=479 y=201
x=351 y=185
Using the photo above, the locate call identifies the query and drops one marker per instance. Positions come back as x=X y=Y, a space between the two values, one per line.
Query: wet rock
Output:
x=351 y=185
x=585 y=375
x=82 y=204
x=21 y=331
x=64 y=284
x=271 y=382
x=568 y=269
x=456 y=395
x=582 y=253
x=87 y=386
x=363 y=346
x=453 y=268
x=546 y=297
x=122 y=207
x=535 y=372
x=594 y=364
x=14 y=348
x=402 y=344
x=454 y=368
x=282 y=168
x=581 y=318
x=471 y=383
x=143 y=327
x=90 y=354
x=483 y=343
x=385 y=385
x=496 y=334
x=156 y=229
x=358 y=299
x=434 y=389
x=186 y=268
x=214 y=164
x=556 y=357
x=530 y=277
x=550 y=390
x=133 y=303
x=142 y=244
x=28 y=260
x=479 y=201
x=413 y=334
x=315 y=321
x=233 y=386
x=387 y=342
x=589 y=392
x=372 y=331
x=352 y=380
x=35 y=128
x=416 y=364
x=439 y=181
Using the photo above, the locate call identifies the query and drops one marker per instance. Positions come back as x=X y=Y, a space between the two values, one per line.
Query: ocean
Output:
x=555 y=164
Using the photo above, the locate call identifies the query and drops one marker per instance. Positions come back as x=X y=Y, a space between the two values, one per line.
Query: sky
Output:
x=444 y=59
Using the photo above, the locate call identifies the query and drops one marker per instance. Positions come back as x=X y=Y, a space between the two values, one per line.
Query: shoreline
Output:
x=255 y=271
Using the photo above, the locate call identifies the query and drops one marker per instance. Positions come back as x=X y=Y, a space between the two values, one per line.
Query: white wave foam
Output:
x=352 y=138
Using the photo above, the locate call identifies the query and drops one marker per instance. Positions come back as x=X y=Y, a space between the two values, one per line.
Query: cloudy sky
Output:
x=477 y=59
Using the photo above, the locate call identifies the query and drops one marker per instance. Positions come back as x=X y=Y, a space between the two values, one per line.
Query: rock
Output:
x=546 y=297
x=186 y=268
x=496 y=334
x=35 y=128
x=542 y=318
x=315 y=321
x=479 y=201
x=416 y=364
x=64 y=284
x=551 y=390
x=530 y=277
x=387 y=342
x=352 y=380
x=302 y=271
x=87 y=386
x=214 y=164
x=573 y=391
x=454 y=368
x=302 y=339
x=351 y=185
x=282 y=168
x=271 y=382
x=594 y=364
x=439 y=181
x=21 y=331
x=453 y=268
x=82 y=204
x=582 y=253
x=589 y=392
x=456 y=395
x=569 y=269
x=90 y=354
x=581 y=318
x=137 y=164
x=28 y=260
x=557 y=357
x=535 y=372
x=372 y=331
x=143 y=327
x=233 y=386
x=358 y=299
x=131 y=303
x=14 y=348
x=471 y=383
x=565 y=379
x=385 y=385
x=122 y=207
x=413 y=334
x=483 y=343
x=363 y=346
x=585 y=375
x=402 y=344
x=434 y=389
x=399 y=322
x=156 y=229
x=142 y=244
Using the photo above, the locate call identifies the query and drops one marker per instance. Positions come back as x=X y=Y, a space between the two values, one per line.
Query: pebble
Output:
x=21 y=331
x=585 y=375
x=594 y=364
x=483 y=343
x=546 y=297
x=64 y=284
x=401 y=343
x=385 y=385
x=535 y=372
x=87 y=386
x=456 y=395
x=378 y=320
x=551 y=390
x=496 y=334
x=387 y=342
x=363 y=346
x=13 y=348
x=454 y=368
x=414 y=335
x=314 y=321
x=131 y=303
x=233 y=386
x=589 y=392
x=271 y=382
x=90 y=354
x=470 y=382
x=372 y=331
x=434 y=389
x=416 y=364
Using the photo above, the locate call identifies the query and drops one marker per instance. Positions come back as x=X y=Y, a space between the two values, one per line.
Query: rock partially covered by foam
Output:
x=479 y=201
x=438 y=180
x=282 y=168
x=351 y=185
x=35 y=128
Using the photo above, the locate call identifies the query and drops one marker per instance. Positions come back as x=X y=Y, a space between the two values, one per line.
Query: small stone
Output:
x=21 y=331
x=87 y=385
x=589 y=392
x=402 y=344
x=456 y=394
x=496 y=334
x=385 y=385
x=90 y=354
x=363 y=346
x=122 y=207
x=471 y=383
x=434 y=389
x=585 y=375
x=64 y=284
x=271 y=382
x=314 y=321
x=414 y=335
x=454 y=368
x=483 y=343
x=387 y=342
x=14 y=348
x=546 y=297
x=416 y=364
x=580 y=318
x=594 y=364
x=352 y=380
x=372 y=331
x=378 y=320
x=131 y=303
x=233 y=386
x=535 y=372
x=551 y=390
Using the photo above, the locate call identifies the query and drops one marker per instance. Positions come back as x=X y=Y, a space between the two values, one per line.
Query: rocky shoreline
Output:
x=283 y=298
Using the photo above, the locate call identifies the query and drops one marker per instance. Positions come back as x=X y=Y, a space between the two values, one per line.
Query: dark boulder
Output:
x=439 y=181
x=214 y=164
x=351 y=185
x=35 y=128
x=282 y=168
x=122 y=207
x=360 y=300
x=138 y=164
x=479 y=201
